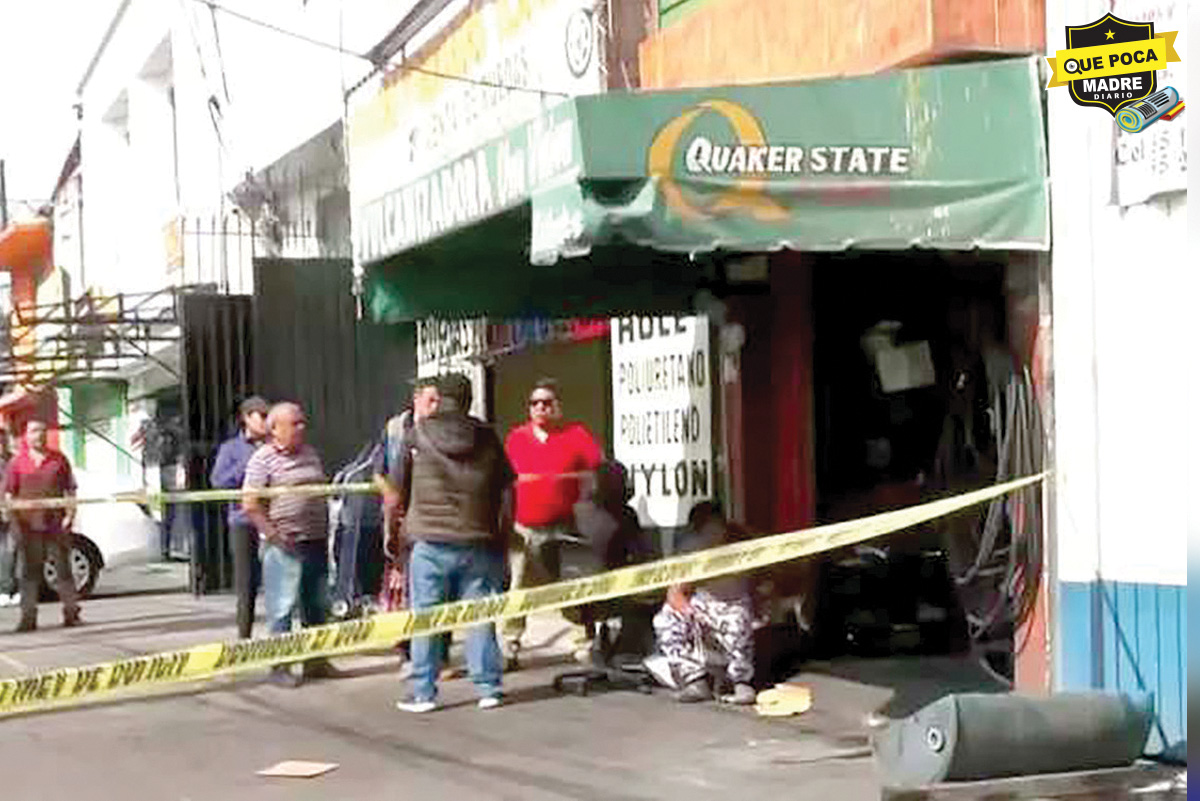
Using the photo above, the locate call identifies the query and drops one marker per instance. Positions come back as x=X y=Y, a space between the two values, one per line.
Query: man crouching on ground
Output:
x=716 y=616
x=457 y=474
x=294 y=532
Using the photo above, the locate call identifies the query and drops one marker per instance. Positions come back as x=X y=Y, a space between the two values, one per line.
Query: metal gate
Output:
x=216 y=358
x=348 y=375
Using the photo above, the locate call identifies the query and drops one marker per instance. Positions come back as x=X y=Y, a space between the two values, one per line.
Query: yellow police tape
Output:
x=143 y=675
x=224 y=495
x=191 y=496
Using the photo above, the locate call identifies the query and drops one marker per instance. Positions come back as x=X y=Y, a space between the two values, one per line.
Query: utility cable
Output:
x=212 y=12
x=213 y=6
x=212 y=104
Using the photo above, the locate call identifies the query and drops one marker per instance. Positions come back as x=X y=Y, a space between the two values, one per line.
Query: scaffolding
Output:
x=91 y=336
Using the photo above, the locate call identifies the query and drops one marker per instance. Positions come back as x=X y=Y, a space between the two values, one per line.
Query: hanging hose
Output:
x=1011 y=528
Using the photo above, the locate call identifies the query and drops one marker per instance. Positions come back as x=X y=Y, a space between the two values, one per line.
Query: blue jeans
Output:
x=440 y=572
x=295 y=578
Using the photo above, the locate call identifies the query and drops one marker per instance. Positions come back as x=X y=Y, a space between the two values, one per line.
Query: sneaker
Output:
x=9 y=600
x=490 y=702
x=743 y=695
x=660 y=668
x=695 y=692
x=71 y=619
x=415 y=706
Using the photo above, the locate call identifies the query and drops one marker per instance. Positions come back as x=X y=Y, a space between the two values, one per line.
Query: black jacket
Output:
x=456 y=473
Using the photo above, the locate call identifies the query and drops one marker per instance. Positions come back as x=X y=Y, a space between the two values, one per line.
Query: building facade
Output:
x=1121 y=497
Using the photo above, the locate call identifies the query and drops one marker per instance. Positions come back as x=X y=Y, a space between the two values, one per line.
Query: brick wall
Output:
x=758 y=41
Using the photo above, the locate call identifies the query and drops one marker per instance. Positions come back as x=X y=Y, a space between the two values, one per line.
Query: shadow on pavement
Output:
x=910 y=683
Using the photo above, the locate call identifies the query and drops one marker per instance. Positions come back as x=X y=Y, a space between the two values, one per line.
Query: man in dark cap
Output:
x=228 y=472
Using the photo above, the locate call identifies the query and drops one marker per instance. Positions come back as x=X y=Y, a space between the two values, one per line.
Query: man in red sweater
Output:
x=554 y=460
x=41 y=473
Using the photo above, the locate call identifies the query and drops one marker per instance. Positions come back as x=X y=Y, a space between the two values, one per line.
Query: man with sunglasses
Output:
x=554 y=460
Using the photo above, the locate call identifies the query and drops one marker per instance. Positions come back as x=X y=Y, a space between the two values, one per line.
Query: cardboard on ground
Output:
x=298 y=769
x=783 y=700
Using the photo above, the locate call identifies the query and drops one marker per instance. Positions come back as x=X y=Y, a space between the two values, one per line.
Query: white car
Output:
x=105 y=535
x=86 y=563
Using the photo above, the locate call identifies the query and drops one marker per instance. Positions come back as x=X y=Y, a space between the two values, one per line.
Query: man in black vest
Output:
x=456 y=475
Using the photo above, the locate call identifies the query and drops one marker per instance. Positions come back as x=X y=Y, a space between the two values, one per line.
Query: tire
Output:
x=86 y=563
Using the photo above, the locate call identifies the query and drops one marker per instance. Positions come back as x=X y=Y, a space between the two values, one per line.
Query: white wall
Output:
x=284 y=91
x=128 y=195
x=68 y=253
x=1122 y=336
x=274 y=93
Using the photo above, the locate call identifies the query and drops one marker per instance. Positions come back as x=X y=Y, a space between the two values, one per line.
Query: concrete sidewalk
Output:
x=209 y=744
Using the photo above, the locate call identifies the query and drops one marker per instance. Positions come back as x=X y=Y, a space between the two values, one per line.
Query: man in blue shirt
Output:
x=228 y=472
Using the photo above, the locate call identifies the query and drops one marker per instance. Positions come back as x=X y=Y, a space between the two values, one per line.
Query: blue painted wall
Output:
x=1140 y=645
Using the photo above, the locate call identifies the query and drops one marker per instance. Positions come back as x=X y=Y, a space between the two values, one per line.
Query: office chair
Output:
x=609 y=537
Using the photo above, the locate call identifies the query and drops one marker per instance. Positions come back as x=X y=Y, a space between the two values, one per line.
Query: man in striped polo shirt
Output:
x=293 y=530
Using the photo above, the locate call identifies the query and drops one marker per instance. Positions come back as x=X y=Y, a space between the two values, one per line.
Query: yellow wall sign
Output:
x=1112 y=63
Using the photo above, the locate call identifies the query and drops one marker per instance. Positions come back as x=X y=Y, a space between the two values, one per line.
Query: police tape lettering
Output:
x=156 y=672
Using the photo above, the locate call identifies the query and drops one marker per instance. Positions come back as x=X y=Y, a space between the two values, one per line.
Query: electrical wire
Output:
x=213 y=106
x=214 y=7
x=377 y=66
x=212 y=13
x=1009 y=547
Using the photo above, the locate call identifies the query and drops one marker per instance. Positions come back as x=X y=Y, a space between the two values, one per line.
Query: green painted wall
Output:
x=100 y=408
x=70 y=441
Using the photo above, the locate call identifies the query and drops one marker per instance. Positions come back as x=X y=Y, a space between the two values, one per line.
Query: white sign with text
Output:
x=521 y=59
x=662 y=414
x=455 y=346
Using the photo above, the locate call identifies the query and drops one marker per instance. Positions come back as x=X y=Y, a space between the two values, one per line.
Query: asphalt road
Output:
x=210 y=744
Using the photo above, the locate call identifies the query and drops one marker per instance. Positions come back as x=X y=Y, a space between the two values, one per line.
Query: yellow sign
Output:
x=1109 y=60
x=1113 y=63
x=144 y=675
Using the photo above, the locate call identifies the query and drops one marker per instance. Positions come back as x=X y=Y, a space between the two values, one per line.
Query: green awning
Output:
x=949 y=157
x=484 y=270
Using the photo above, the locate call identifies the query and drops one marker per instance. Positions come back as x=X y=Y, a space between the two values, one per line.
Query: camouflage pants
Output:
x=715 y=626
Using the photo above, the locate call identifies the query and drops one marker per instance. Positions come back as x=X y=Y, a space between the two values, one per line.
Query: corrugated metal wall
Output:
x=349 y=375
x=216 y=377
x=1128 y=637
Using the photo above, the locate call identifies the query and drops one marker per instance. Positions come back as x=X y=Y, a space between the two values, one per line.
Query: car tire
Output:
x=86 y=563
